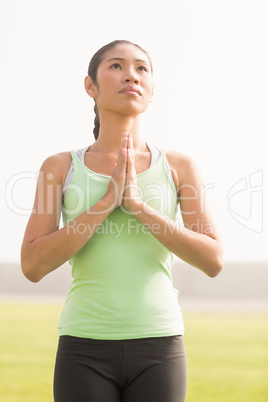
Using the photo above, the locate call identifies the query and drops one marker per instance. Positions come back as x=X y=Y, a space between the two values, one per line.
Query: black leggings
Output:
x=135 y=370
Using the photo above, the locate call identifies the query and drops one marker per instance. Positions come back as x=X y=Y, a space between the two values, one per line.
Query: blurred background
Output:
x=210 y=102
x=210 y=69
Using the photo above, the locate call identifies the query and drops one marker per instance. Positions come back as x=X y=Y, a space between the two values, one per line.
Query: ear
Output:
x=90 y=87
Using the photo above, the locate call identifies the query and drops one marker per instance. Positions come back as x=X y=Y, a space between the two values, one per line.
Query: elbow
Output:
x=29 y=271
x=30 y=266
x=30 y=275
x=216 y=267
x=217 y=261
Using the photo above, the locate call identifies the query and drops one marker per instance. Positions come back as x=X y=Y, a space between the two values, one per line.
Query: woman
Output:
x=121 y=327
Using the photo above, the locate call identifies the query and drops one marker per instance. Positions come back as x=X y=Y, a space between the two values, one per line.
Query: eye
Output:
x=143 y=68
x=115 y=66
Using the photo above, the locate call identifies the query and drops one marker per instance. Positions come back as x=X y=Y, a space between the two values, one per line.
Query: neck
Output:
x=112 y=129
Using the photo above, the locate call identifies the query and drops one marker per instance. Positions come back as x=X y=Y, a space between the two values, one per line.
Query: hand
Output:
x=116 y=186
x=131 y=198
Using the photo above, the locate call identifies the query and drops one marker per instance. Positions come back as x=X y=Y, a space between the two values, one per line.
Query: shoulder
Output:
x=183 y=167
x=178 y=159
x=58 y=166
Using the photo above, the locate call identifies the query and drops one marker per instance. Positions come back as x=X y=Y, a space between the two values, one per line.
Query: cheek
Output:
x=108 y=79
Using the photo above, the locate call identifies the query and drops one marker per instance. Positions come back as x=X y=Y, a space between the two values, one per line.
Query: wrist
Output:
x=133 y=205
x=107 y=203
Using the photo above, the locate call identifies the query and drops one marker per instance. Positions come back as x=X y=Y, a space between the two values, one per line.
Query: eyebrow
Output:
x=121 y=59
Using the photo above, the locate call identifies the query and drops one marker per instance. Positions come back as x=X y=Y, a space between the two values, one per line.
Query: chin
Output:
x=127 y=108
x=133 y=108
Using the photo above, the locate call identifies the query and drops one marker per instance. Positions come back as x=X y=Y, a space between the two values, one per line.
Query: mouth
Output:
x=130 y=90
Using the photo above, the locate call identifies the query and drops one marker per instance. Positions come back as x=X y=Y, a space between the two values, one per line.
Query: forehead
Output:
x=127 y=52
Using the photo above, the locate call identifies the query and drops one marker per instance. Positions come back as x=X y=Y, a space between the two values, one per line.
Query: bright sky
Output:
x=211 y=84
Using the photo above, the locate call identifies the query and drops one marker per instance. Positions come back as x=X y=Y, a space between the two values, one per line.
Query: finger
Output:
x=121 y=161
x=131 y=172
x=131 y=178
x=131 y=141
x=122 y=158
x=122 y=150
x=124 y=142
x=124 y=139
x=131 y=147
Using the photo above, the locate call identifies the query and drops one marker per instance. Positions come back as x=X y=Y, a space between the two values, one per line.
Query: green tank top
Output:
x=122 y=284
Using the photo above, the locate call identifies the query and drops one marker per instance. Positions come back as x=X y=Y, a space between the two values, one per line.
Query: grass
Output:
x=227 y=354
x=227 y=357
x=28 y=342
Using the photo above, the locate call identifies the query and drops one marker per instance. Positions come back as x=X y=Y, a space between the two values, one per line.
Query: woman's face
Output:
x=124 y=81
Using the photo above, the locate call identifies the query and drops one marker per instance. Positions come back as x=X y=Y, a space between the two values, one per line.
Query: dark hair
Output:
x=92 y=72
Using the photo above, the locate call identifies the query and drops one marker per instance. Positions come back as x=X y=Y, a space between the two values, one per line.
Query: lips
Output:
x=130 y=90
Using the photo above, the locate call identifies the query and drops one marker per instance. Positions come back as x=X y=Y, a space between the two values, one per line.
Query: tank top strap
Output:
x=155 y=153
x=168 y=169
x=80 y=154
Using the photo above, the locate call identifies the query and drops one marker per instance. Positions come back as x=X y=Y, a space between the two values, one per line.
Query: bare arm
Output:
x=197 y=249
x=197 y=243
x=45 y=247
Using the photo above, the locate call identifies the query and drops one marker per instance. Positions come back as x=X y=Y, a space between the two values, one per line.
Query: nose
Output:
x=132 y=77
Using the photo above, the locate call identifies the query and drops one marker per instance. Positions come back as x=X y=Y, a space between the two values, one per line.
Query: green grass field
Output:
x=227 y=354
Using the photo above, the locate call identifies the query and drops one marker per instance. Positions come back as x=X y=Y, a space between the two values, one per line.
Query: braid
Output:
x=96 y=128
